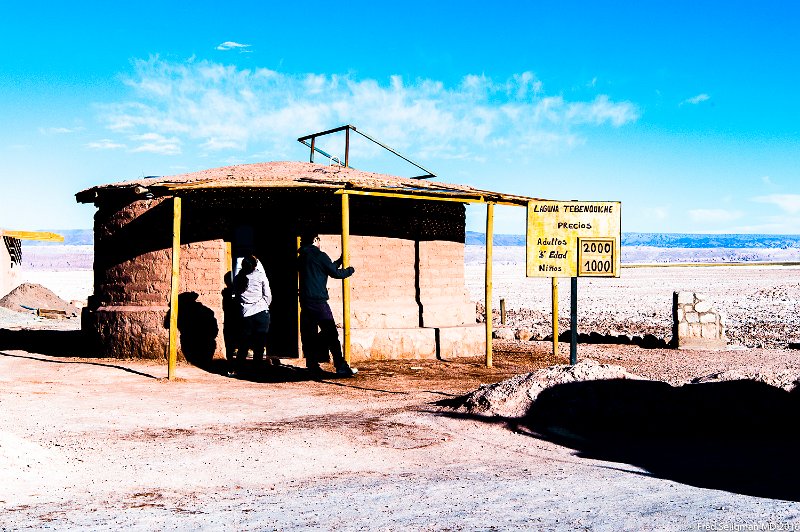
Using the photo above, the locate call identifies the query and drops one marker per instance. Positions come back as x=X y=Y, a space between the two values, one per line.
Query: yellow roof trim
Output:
x=33 y=235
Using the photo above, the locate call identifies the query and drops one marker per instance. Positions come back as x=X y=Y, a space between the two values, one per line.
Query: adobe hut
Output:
x=405 y=238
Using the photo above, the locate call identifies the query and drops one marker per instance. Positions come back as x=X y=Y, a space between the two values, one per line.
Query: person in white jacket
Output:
x=252 y=288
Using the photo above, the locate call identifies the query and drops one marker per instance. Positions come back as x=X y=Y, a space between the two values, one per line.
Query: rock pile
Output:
x=513 y=397
x=696 y=325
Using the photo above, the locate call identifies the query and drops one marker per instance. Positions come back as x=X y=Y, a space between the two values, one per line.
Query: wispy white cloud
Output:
x=766 y=180
x=157 y=143
x=105 y=144
x=714 y=215
x=59 y=130
x=694 y=100
x=788 y=203
x=218 y=107
x=231 y=45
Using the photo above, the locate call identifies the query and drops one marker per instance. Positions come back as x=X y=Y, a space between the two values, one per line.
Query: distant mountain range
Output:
x=668 y=240
x=79 y=237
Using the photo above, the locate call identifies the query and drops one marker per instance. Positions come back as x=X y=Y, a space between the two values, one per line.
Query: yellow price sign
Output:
x=557 y=231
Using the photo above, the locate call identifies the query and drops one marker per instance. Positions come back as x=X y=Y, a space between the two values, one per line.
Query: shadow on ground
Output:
x=263 y=371
x=738 y=436
x=75 y=344
x=53 y=343
x=100 y=364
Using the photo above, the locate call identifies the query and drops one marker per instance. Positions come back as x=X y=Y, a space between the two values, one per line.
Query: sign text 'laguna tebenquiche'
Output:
x=573 y=238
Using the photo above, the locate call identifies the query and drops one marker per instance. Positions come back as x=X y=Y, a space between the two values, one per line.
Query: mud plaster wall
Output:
x=408 y=256
x=132 y=280
x=402 y=283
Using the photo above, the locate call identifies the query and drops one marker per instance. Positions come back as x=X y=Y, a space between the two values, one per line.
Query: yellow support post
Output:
x=175 y=288
x=555 y=316
x=346 y=281
x=488 y=302
x=299 y=341
x=228 y=258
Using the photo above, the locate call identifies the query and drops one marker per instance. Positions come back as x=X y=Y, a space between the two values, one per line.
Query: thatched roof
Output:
x=286 y=174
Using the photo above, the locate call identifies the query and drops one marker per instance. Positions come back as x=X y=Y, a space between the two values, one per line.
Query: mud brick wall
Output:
x=696 y=324
x=402 y=283
x=382 y=291
x=443 y=296
x=132 y=283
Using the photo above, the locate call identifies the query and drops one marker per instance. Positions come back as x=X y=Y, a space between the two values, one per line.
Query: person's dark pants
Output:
x=318 y=335
x=254 y=336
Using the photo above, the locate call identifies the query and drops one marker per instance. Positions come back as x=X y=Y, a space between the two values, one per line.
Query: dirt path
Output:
x=103 y=444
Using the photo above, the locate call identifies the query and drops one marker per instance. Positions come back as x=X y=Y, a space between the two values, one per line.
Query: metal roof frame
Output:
x=347 y=128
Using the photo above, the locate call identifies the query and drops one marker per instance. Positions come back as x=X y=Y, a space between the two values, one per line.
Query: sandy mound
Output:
x=35 y=296
x=513 y=397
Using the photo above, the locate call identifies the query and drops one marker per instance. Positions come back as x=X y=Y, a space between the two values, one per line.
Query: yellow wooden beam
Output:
x=346 y=280
x=410 y=196
x=488 y=295
x=175 y=287
x=228 y=258
x=33 y=235
x=299 y=339
x=428 y=197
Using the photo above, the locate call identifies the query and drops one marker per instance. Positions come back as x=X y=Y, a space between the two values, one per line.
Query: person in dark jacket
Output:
x=318 y=332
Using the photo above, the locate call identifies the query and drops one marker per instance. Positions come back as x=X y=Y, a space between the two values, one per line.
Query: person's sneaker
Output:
x=231 y=374
x=346 y=371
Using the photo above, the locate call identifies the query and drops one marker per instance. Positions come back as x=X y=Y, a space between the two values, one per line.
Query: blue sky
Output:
x=686 y=112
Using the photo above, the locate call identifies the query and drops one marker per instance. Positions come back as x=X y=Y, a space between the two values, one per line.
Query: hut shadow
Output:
x=738 y=436
x=52 y=343
x=197 y=329
x=263 y=372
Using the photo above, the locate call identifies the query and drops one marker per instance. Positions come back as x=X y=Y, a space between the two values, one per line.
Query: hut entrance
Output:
x=274 y=244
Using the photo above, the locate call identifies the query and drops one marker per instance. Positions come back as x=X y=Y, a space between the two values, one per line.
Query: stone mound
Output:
x=513 y=397
x=782 y=379
x=35 y=296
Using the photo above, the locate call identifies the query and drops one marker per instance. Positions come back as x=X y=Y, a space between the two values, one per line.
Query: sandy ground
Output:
x=101 y=444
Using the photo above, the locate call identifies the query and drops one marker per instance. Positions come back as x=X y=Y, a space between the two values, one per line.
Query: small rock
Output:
x=523 y=334
x=503 y=333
